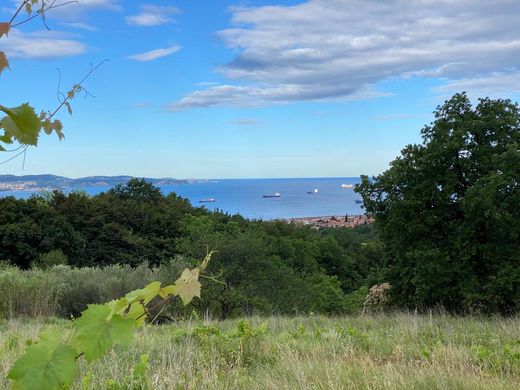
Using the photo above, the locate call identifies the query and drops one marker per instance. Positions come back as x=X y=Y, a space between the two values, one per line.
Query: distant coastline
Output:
x=332 y=221
x=35 y=183
x=233 y=196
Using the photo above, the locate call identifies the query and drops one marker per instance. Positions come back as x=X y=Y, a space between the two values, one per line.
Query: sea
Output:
x=245 y=196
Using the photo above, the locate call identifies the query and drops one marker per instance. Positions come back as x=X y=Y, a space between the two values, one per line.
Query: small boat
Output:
x=210 y=200
x=275 y=195
x=347 y=185
x=358 y=201
x=313 y=192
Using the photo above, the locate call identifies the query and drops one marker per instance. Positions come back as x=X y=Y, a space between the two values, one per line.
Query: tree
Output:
x=448 y=210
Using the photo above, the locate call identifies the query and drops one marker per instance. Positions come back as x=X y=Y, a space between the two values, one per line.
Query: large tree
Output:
x=448 y=210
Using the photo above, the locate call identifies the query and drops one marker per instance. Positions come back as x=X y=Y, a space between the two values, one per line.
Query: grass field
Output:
x=398 y=351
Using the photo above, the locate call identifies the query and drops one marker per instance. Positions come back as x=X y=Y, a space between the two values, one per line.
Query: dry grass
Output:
x=398 y=351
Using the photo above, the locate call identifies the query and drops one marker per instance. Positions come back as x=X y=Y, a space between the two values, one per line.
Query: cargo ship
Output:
x=313 y=192
x=275 y=195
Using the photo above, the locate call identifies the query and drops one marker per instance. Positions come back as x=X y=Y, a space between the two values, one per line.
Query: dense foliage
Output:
x=448 y=210
x=260 y=267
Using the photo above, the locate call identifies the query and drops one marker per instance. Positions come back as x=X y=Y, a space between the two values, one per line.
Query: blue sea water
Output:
x=245 y=196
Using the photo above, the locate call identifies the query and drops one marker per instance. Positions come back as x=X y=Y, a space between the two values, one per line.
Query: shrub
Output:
x=377 y=298
x=52 y=258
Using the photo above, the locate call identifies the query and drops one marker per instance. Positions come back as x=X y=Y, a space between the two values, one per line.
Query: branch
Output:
x=75 y=87
x=41 y=12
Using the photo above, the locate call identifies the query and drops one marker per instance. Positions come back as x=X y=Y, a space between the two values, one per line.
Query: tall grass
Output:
x=62 y=291
x=392 y=351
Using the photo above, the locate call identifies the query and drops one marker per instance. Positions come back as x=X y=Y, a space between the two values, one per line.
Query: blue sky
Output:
x=238 y=89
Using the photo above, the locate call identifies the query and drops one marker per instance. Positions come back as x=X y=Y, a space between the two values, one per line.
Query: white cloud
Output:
x=41 y=44
x=492 y=85
x=79 y=25
x=152 y=15
x=252 y=96
x=76 y=10
x=154 y=54
x=336 y=49
x=245 y=122
x=394 y=117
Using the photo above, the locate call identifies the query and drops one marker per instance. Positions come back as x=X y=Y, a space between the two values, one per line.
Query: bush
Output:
x=52 y=258
x=377 y=298
x=354 y=302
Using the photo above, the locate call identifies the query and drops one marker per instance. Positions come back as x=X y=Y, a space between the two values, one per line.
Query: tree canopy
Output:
x=448 y=210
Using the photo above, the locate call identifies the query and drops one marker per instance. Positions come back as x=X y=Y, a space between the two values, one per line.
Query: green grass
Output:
x=397 y=351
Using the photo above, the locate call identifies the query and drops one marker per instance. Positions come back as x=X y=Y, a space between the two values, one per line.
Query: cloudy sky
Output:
x=258 y=88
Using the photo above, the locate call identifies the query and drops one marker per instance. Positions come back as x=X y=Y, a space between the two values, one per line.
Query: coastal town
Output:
x=20 y=186
x=333 y=221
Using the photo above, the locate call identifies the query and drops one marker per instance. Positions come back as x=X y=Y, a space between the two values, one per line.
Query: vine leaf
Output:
x=69 y=107
x=96 y=331
x=117 y=307
x=50 y=126
x=4 y=28
x=188 y=286
x=137 y=312
x=145 y=294
x=47 y=365
x=166 y=291
x=21 y=123
x=3 y=62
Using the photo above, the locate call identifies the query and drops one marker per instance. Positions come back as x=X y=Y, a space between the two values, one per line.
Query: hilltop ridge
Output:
x=48 y=182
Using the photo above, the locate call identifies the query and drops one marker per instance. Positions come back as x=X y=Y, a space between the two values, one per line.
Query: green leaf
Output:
x=188 y=286
x=96 y=331
x=117 y=307
x=47 y=365
x=6 y=139
x=21 y=123
x=137 y=313
x=145 y=294
x=166 y=291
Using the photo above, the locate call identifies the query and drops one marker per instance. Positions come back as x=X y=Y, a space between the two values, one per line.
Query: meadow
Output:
x=381 y=351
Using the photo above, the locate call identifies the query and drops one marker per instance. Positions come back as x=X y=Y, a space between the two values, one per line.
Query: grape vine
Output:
x=22 y=124
x=51 y=362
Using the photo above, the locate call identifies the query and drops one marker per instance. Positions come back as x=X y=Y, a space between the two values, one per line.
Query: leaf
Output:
x=4 y=28
x=96 y=333
x=28 y=8
x=3 y=62
x=206 y=260
x=166 y=291
x=137 y=313
x=6 y=138
x=22 y=123
x=117 y=307
x=55 y=126
x=69 y=108
x=188 y=286
x=145 y=294
x=47 y=365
